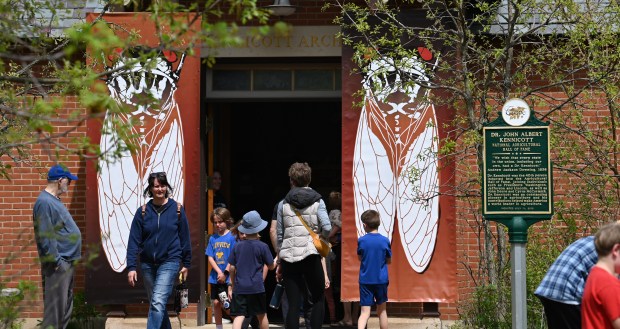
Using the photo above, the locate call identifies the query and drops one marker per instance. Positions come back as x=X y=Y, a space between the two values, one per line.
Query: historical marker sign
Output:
x=517 y=176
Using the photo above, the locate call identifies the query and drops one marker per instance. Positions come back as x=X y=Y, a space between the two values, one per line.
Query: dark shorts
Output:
x=248 y=305
x=373 y=294
x=217 y=288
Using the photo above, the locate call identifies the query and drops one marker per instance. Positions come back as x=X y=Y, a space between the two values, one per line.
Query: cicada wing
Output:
x=418 y=184
x=373 y=178
x=167 y=154
x=119 y=189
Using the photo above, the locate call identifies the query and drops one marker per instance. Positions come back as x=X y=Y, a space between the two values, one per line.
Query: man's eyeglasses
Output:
x=158 y=174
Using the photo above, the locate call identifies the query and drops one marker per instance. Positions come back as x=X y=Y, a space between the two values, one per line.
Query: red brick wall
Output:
x=28 y=179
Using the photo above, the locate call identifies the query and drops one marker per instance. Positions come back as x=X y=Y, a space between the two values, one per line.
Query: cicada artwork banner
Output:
x=395 y=157
x=146 y=85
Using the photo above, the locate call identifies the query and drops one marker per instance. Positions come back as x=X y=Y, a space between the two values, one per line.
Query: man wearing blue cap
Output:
x=59 y=243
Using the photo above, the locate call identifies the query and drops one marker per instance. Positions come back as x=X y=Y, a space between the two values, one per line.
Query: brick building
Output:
x=242 y=108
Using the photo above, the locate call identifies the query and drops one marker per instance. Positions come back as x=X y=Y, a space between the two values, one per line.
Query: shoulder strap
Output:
x=312 y=233
x=179 y=205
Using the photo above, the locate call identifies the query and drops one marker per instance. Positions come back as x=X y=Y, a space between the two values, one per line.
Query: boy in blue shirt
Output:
x=374 y=253
x=247 y=260
x=220 y=245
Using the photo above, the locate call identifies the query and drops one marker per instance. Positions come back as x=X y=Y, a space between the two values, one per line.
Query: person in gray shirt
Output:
x=59 y=243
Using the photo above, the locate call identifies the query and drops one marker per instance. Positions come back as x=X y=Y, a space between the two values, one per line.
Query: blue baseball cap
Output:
x=59 y=171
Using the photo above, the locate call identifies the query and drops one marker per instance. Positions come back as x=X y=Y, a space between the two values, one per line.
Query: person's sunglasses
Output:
x=158 y=174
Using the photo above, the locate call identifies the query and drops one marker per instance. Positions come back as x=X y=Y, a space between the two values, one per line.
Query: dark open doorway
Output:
x=256 y=142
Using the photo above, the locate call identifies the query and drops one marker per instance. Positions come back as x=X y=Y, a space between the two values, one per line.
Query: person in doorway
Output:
x=247 y=261
x=561 y=289
x=59 y=243
x=375 y=254
x=301 y=267
x=601 y=296
x=160 y=234
x=216 y=184
x=218 y=249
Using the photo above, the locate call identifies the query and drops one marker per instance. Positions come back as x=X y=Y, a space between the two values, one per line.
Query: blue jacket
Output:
x=57 y=235
x=159 y=237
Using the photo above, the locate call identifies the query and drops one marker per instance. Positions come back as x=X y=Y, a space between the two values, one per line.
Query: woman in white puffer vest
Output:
x=300 y=262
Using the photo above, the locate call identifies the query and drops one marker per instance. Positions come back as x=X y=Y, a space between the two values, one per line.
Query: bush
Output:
x=9 y=303
x=84 y=315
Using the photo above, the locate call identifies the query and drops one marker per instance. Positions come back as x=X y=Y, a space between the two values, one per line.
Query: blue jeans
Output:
x=159 y=281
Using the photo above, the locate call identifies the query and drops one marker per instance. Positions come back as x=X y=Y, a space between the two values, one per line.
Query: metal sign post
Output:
x=517 y=188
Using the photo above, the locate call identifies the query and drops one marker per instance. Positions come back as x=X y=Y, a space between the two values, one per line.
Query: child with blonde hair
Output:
x=600 y=304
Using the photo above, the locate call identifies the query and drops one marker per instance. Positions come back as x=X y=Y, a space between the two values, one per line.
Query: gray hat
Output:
x=252 y=223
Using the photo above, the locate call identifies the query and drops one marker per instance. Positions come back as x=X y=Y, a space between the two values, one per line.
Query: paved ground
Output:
x=394 y=323
x=140 y=323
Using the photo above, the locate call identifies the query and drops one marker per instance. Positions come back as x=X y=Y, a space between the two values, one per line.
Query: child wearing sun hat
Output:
x=247 y=260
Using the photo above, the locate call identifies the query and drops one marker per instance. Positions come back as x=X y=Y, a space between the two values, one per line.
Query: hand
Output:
x=278 y=272
x=132 y=278
x=327 y=283
x=221 y=278
x=183 y=272
x=334 y=241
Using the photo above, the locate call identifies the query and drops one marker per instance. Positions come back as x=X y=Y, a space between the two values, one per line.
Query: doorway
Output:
x=255 y=143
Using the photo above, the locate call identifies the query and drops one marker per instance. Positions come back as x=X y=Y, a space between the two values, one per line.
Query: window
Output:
x=274 y=81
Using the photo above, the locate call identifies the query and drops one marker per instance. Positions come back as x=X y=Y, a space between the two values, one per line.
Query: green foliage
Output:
x=38 y=69
x=84 y=315
x=562 y=58
x=482 y=312
x=10 y=303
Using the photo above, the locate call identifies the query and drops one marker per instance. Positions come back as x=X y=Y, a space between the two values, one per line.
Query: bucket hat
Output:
x=59 y=171
x=252 y=223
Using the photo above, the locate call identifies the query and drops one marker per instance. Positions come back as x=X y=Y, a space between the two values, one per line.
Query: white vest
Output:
x=296 y=241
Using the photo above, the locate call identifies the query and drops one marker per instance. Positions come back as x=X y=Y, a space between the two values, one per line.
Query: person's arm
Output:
x=221 y=277
x=186 y=246
x=273 y=231
x=273 y=234
x=279 y=229
x=231 y=287
x=323 y=217
x=616 y=323
x=324 y=265
x=133 y=247
x=333 y=234
x=266 y=270
x=45 y=233
x=268 y=260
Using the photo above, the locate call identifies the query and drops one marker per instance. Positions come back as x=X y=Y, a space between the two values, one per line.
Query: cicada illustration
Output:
x=516 y=112
x=394 y=164
x=158 y=135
